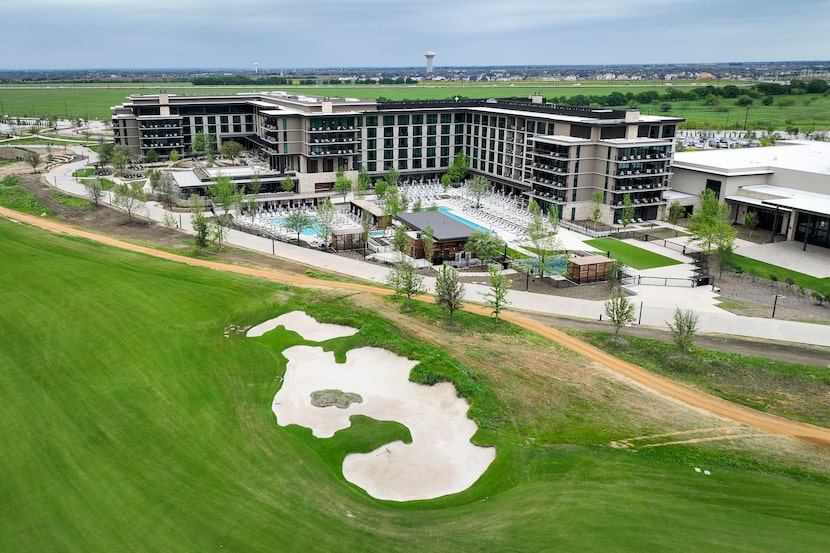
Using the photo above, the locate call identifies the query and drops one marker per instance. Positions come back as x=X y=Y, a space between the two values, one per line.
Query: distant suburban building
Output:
x=558 y=156
x=787 y=185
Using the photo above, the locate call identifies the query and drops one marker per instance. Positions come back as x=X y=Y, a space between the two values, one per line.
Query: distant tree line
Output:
x=241 y=80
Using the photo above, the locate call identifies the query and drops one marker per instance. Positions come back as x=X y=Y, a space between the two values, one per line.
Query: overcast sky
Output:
x=68 y=34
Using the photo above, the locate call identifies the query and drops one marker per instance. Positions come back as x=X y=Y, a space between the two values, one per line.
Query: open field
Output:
x=810 y=112
x=632 y=256
x=132 y=422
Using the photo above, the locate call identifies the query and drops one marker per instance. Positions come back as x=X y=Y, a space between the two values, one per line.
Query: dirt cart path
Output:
x=659 y=384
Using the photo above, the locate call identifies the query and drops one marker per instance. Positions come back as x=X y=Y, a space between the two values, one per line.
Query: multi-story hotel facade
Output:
x=560 y=156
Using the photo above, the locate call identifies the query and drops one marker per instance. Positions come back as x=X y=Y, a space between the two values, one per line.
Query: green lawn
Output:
x=130 y=422
x=810 y=112
x=770 y=272
x=634 y=257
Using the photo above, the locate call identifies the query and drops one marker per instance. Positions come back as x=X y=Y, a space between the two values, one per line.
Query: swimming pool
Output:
x=446 y=211
x=310 y=231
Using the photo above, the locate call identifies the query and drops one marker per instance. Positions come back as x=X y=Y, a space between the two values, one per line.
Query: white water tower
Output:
x=429 y=56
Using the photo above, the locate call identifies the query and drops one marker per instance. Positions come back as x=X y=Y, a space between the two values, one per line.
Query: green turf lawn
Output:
x=634 y=257
x=129 y=422
x=766 y=271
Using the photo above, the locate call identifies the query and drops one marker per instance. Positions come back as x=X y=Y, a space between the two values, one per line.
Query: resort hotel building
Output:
x=559 y=156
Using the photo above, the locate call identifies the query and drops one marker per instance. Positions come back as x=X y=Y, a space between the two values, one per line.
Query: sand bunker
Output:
x=439 y=461
x=305 y=326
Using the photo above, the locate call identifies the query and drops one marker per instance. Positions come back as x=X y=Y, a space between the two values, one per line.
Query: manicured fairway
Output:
x=632 y=256
x=129 y=422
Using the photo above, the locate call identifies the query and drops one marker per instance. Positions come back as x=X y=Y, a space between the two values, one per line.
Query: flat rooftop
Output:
x=796 y=155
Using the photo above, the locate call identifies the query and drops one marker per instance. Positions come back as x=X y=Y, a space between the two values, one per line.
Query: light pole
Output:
x=775 y=303
x=746 y=117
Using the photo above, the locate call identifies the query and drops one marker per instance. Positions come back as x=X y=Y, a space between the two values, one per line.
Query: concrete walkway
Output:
x=654 y=304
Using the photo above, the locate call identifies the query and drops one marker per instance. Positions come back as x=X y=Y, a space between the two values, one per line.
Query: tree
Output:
x=619 y=310
x=199 y=222
x=449 y=291
x=458 y=170
x=483 y=245
x=33 y=159
x=400 y=240
x=428 y=239
x=94 y=190
x=167 y=189
x=751 y=221
x=597 y=199
x=710 y=225
x=364 y=181
x=446 y=181
x=342 y=184
x=174 y=156
x=151 y=156
x=627 y=211
x=231 y=150
x=675 y=213
x=744 y=101
x=392 y=177
x=478 y=187
x=326 y=214
x=684 y=328
x=256 y=185
x=225 y=193
x=543 y=237
x=380 y=189
x=105 y=151
x=366 y=224
x=297 y=221
x=287 y=184
x=406 y=281
x=496 y=296
x=120 y=158
x=154 y=179
x=129 y=196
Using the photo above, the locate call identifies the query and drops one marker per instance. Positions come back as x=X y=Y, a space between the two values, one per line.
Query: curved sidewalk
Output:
x=654 y=304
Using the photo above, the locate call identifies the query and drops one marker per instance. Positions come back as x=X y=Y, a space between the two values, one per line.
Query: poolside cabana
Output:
x=589 y=268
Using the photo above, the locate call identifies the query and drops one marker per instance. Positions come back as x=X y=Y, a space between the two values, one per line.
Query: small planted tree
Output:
x=483 y=245
x=199 y=222
x=478 y=187
x=458 y=170
x=342 y=184
x=751 y=221
x=406 y=281
x=597 y=199
x=684 y=328
x=287 y=184
x=380 y=189
x=619 y=310
x=364 y=181
x=129 y=196
x=33 y=159
x=366 y=224
x=627 y=211
x=496 y=296
x=400 y=240
x=326 y=214
x=449 y=290
x=392 y=177
x=231 y=149
x=428 y=239
x=94 y=190
x=675 y=213
x=297 y=221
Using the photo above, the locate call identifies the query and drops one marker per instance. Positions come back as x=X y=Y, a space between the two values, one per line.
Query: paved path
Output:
x=655 y=304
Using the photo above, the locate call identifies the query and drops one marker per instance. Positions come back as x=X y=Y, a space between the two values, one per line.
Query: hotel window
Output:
x=402 y=164
x=403 y=142
x=432 y=119
x=388 y=154
x=416 y=164
x=431 y=153
x=371 y=144
x=417 y=131
x=445 y=129
x=372 y=166
x=388 y=120
x=417 y=119
x=431 y=129
x=371 y=121
x=388 y=143
x=403 y=119
x=417 y=141
x=417 y=152
x=388 y=132
x=531 y=126
x=446 y=118
x=371 y=133
x=445 y=141
x=445 y=162
x=237 y=119
x=387 y=165
x=430 y=162
x=445 y=151
x=476 y=119
x=403 y=131
x=372 y=155
x=402 y=153
x=431 y=141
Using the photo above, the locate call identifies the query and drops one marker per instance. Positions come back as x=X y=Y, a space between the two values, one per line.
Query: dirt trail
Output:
x=659 y=384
